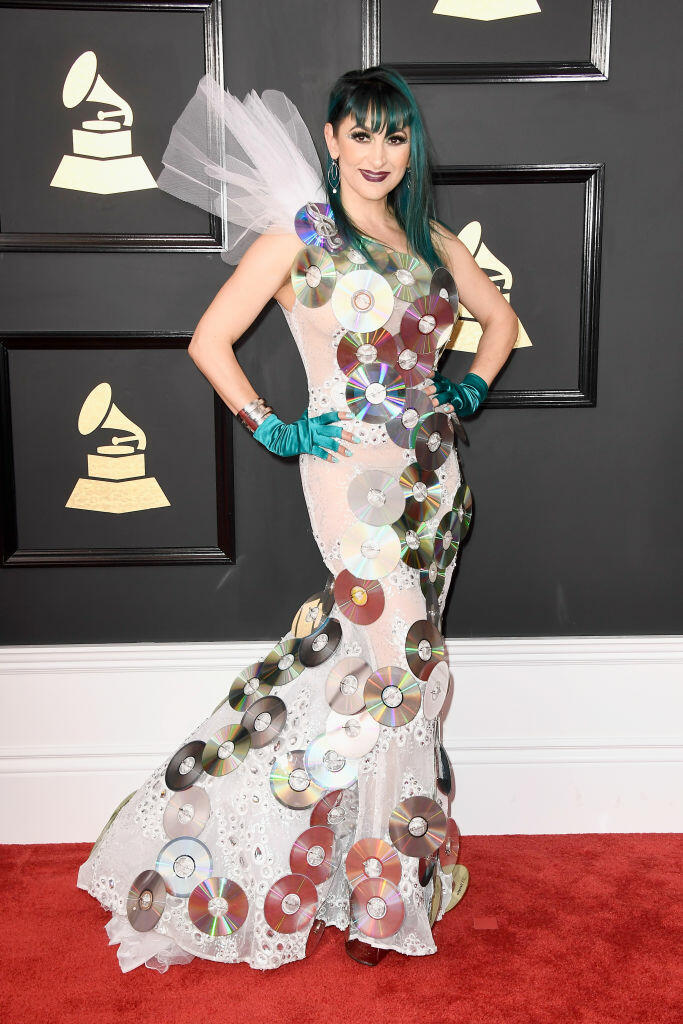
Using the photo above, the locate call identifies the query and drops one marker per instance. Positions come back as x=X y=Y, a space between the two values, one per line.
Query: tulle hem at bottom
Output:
x=151 y=948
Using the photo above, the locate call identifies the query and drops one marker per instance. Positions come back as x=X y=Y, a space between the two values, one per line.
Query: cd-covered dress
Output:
x=317 y=792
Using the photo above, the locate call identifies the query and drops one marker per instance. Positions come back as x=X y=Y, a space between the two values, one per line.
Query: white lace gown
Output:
x=249 y=833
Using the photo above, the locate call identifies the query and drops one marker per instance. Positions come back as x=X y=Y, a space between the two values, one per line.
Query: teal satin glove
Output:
x=312 y=435
x=465 y=397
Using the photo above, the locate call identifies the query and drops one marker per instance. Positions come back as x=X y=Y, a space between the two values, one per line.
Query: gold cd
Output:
x=313 y=276
x=291 y=783
x=462 y=503
x=370 y=552
x=264 y=720
x=312 y=613
x=447 y=538
x=356 y=350
x=187 y=812
x=247 y=687
x=362 y=300
x=408 y=276
x=225 y=750
x=352 y=735
x=417 y=826
x=376 y=497
x=435 y=905
x=146 y=900
x=392 y=696
x=400 y=427
x=345 y=684
x=375 y=392
x=416 y=547
x=460 y=877
x=282 y=664
x=432 y=440
x=425 y=647
x=422 y=491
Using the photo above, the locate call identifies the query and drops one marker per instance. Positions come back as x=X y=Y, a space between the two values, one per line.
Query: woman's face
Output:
x=369 y=164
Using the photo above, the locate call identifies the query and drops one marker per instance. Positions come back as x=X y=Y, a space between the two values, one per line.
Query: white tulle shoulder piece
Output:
x=250 y=162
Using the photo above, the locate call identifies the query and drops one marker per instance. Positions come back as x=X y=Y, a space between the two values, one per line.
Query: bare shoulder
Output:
x=456 y=251
x=273 y=251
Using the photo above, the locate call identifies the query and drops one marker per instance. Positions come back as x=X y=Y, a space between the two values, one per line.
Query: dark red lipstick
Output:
x=374 y=175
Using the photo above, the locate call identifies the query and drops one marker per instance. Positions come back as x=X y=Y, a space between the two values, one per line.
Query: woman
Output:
x=309 y=795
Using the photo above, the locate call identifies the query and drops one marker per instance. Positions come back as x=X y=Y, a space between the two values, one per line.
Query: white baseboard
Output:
x=546 y=735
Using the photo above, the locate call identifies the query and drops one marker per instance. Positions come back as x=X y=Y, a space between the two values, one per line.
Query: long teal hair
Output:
x=384 y=95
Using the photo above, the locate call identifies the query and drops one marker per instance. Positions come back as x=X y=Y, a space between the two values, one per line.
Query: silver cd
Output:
x=447 y=538
x=345 y=684
x=375 y=392
x=322 y=644
x=415 y=542
x=291 y=783
x=422 y=490
x=424 y=647
x=408 y=276
x=264 y=720
x=327 y=766
x=185 y=766
x=362 y=300
x=248 y=686
x=146 y=900
x=436 y=690
x=462 y=503
x=282 y=664
x=376 y=497
x=183 y=863
x=443 y=284
x=370 y=552
x=187 y=812
x=352 y=735
x=313 y=276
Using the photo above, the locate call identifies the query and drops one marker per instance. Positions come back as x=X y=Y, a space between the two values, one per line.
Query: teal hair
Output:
x=382 y=94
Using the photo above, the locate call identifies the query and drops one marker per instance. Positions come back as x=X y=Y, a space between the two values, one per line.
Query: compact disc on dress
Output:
x=311 y=854
x=425 y=646
x=409 y=277
x=282 y=664
x=370 y=552
x=460 y=877
x=432 y=439
x=444 y=771
x=416 y=547
x=436 y=690
x=218 y=906
x=347 y=259
x=291 y=783
x=372 y=858
x=422 y=491
x=447 y=538
x=417 y=826
x=187 y=812
x=312 y=613
x=146 y=900
x=356 y=350
x=345 y=684
x=313 y=276
x=322 y=644
x=248 y=686
x=413 y=366
x=362 y=300
x=375 y=392
x=425 y=869
x=183 y=863
x=430 y=574
x=432 y=604
x=448 y=851
x=315 y=934
x=327 y=767
x=314 y=223
x=330 y=810
x=226 y=749
x=392 y=696
x=291 y=903
x=352 y=735
x=443 y=284
x=185 y=766
x=360 y=600
x=458 y=427
x=377 y=908
x=415 y=404
x=424 y=321
x=462 y=503
x=435 y=903
x=264 y=720
x=376 y=497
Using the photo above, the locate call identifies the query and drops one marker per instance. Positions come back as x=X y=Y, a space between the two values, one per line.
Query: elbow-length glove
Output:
x=307 y=434
x=465 y=397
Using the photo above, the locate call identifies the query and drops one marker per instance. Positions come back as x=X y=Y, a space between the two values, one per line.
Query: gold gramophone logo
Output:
x=486 y=10
x=116 y=480
x=102 y=160
x=467 y=330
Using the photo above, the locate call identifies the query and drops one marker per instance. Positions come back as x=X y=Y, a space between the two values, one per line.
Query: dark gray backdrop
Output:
x=577 y=509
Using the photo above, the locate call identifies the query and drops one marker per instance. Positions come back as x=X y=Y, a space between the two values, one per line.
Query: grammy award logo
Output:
x=486 y=10
x=102 y=160
x=116 y=480
x=467 y=331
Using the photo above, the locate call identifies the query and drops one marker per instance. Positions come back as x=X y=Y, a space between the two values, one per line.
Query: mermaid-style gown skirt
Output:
x=205 y=858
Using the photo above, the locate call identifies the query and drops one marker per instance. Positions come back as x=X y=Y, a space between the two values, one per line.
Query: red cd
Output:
x=424 y=321
x=377 y=908
x=413 y=365
x=355 y=350
x=360 y=600
x=372 y=858
x=291 y=903
x=417 y=826
x=448 y=851
x=328 y=811
x=218 y=906
x=311 y=854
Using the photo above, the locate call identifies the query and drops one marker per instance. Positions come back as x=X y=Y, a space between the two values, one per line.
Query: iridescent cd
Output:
x=377 y=908
x=375 y=392
x=187 y=812
x=400 y=427
x=282 y=664
x=460 y=877
x=248 y=686
x=291 y=783
x=436 y=690
x=291 y=903
x=431 y=574
x=185 y=766
x=413 y=366
x=372 y=858
x=417 y=826
x=327 y=766
x=415 y=542
x=362 y=300
x=448 y=851
x=443 y=284
x=422 y=491
x=183 y=863
x=424 y=321
x=376 y=497
x=409 y=277
x=264 y=720
x=435 y=904
x=425 y=646
x=360 y=600
x=314 y=223
x=356 y=350
x=312 y=613
x=329 y=810
x=311 y=854
x=313 y=276
x=352 y=735
x=322 y=644
x=370 y=552
x=226 y=749
x=462 y=504
x=392 y=696
x=432 y=439
x=432 y=605
x=146 y=900
x=447 y=538
x=218 y=906
x=345 y=685
x=347 y=259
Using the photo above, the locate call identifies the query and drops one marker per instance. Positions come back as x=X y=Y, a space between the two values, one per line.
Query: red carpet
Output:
x=588 y=930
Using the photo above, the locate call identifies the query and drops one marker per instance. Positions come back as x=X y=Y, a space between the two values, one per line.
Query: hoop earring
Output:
x=333 y=184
